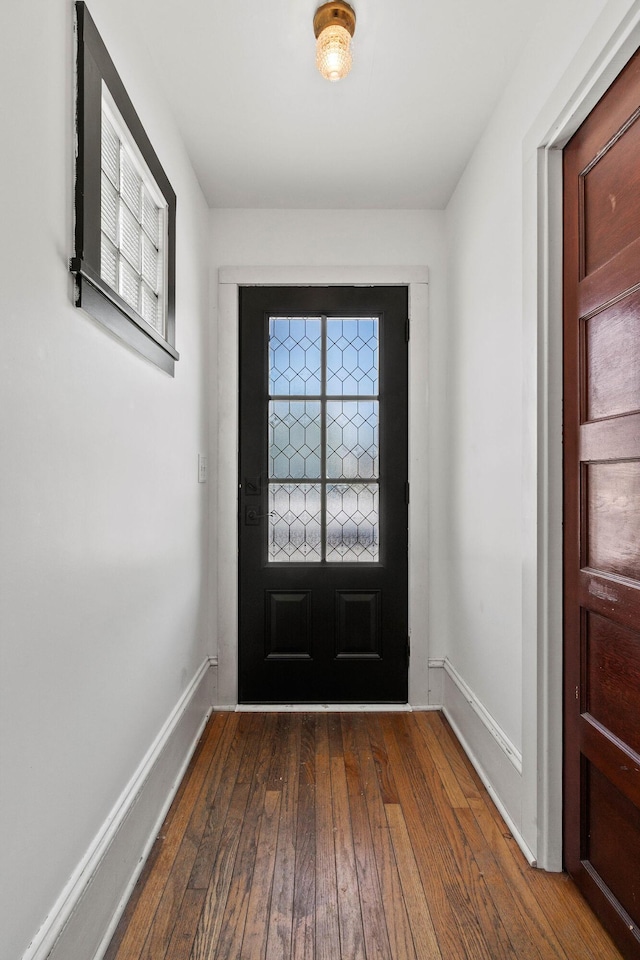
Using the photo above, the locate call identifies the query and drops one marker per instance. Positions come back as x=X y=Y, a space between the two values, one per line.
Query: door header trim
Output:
x=323 y=276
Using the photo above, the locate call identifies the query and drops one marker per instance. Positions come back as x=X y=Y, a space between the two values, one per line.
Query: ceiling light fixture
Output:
x=334 y=24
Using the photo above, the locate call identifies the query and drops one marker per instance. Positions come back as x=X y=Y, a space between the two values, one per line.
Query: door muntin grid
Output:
x=323 y=422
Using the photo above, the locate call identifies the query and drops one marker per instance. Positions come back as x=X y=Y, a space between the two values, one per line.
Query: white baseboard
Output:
x=436 y=683
x=495 y=758
x=82 y=922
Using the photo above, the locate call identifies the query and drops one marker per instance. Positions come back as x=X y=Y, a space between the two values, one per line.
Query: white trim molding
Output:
x=497 y=761
x=82 y=921
x=436 y=684
x=512 y=753
x=229 y=281
x=380 y=276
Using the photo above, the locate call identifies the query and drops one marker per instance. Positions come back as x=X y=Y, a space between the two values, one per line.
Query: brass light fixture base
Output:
x=334 y=13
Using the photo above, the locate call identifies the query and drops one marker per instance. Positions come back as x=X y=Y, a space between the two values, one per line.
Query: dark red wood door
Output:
x=602 y=508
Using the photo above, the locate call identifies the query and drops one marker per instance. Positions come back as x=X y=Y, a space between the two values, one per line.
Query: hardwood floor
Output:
x=347 y=836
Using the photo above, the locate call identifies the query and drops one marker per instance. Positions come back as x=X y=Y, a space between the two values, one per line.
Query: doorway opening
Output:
x=323 y=479
x=224 y=538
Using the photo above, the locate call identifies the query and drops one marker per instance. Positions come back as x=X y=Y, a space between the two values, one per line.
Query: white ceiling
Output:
x=263 y=128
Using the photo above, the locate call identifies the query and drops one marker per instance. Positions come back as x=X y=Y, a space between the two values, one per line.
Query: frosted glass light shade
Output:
x=333 y=52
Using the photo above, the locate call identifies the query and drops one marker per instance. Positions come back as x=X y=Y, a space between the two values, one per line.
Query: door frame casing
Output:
x=230 y=279
x=604 y=53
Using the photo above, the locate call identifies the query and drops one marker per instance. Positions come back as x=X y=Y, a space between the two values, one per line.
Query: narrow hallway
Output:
x=353 y=835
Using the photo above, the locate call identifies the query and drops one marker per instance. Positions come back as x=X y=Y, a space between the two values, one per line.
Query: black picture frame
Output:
x=93 y=294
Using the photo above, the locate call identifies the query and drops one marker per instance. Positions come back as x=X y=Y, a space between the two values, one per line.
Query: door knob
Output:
x=252 y=516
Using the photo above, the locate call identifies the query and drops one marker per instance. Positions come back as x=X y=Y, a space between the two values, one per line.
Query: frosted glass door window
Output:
x=324 y=466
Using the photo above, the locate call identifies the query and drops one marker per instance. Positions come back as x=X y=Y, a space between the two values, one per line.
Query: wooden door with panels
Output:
x=323 y=539
x=602 y=508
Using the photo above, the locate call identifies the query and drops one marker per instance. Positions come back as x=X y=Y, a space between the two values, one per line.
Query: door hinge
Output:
x=407 y=493
x=408 y=648
x=407 y=330
x=577 y=693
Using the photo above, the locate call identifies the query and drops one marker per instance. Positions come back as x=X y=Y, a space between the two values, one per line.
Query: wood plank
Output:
x=455 y=793
x=372 y=906
x=470 y=783
x=235 y=913
x=307 y=749
x=467 y=855
x=170 y=907
x=270 y=750
x=349 y=912
x=453 y=899
x=279 y=769
x=424 y=934
x=185 y=926
x=252 y=726
x=286 y=776
x=211 y=919
x=507 y=907
x=304 y=895
x=368 y=734
x=139 y=925
x=254 y=941
x=229 y=940
x=384 y=773
x=327 y=935
x=242 y=756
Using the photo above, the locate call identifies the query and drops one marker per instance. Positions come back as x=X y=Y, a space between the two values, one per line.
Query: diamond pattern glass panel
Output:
x=294 y=356
x=294 y=522
x=294 y=439
x=352 y=439
x=352 y=356
x=352 y=523
x=330 y=438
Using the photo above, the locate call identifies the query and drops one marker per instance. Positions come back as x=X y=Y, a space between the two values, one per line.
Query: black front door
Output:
x=323 y=494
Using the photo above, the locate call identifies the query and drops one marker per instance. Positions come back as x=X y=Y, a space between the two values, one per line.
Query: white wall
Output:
x=103 y=553
x=313 y=238
x=497 y=395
